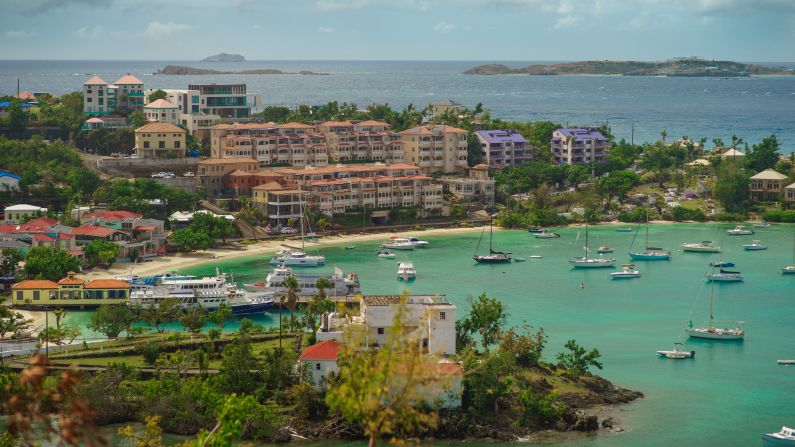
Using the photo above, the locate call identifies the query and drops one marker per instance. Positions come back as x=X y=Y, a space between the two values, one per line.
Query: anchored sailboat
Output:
x=494 y=256
x=714 y=333
x=294 y=256
x=790 y=269
x=586 y=262
x=650 y=253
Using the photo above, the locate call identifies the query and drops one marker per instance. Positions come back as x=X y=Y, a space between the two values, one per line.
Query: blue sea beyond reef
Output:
x=751 y=108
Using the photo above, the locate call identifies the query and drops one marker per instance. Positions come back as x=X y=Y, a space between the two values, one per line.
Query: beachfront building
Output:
x=445 y=106
x=9 y=181
x=789 y=196
x=502 y=148
x=134 y=234
x=282 y=206
x=362 y=141
x=15 y=214
x=477 y=186
x=214 y=173
x=162 y=111
x=437 y=148
x=101 y=98
x=160 y=140
x=767 y=186
x=574 y=146
x=293 y=144
x=70 y=292
x=341 y=188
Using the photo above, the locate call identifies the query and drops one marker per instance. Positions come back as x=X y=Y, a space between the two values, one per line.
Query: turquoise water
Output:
x=727 y=396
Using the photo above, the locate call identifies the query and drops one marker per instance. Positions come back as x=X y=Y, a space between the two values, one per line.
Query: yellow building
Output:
x=155 y=140
x=436 y=148
x=69 y=292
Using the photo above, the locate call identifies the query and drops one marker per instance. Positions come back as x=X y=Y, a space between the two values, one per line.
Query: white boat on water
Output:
x=385 y=254
x=784 y=437
x=701 y=247
x=627 y=271
x=341 y=285
x=296 y=257
x=755 y=245
x=725 y=276
x=398 y=243
x=419 y=243
x=740 y=230
x=790 y=269
x=604 y=249
x=676 y=353
x=785 y=362
x=586 y=262
x=651 y=253
x=762 y=224
x=546 y=235
x=712 y=332
x=406 y=271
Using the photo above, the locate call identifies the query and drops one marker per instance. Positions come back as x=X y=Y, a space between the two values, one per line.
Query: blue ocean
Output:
x=751 y=108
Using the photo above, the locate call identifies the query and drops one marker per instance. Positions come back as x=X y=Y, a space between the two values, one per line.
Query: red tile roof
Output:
x=43 y=237
x=96 y=80
x=325 y=350
x=37 y=223
x=145 y=228
x=160 y=104
x=372 y=123
x=93 y=231
x=113 y=215
x=295 y=126
x=128 y=79
x=159 y=127
x=107 y=284
x=71 y=281
x=31 y=284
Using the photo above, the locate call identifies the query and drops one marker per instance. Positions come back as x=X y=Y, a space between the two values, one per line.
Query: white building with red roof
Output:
x=162 y=111
x=102 y=98
x=320 y=360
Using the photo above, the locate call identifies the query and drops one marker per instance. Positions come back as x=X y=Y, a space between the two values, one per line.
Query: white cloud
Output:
x=88 y=31
x=157 y=29
x=326 y=29
x=567 y=21
x=13 y=35
x=340 y=5
x=444 y=27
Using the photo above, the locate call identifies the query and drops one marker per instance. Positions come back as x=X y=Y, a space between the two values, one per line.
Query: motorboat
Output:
x=784 y=437
x=740 y=230
x=755 y=245
x=624 y=230
x=586 y=262
x=296 y=257
x=762 y=224
x=721 y=264
x=788 y=270
x=725 y=276
x=544 y=234
x=535 y=230
x=419 y=243
x=398 y=243
x=676 y=353
x=406 y=271
x=651 y=253
x=519 y=259
x=385 y=254
x=785 y=362
x=535 y=256
x=701 y=247
x=341 y=284
x=604 y=249
x=494 y=256
x=627 y=271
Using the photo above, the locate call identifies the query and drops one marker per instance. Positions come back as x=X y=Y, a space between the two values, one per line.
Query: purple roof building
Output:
x=575 y=146
x=501 y=148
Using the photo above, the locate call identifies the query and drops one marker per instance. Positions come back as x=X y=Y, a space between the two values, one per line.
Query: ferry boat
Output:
x=701 y=247
x=399 y=243
x=297 y=257
x=740 y=230
x=147 y=282
x=406 y=271
x=307 y=283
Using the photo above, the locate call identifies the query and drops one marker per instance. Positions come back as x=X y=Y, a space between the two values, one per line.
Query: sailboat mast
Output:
x=301 y=220
x=712 y=299
x=647 y=230
x=491 y=234
x=586 y=241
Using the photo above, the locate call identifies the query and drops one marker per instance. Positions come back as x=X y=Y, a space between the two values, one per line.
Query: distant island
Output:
x=686 y=67
x=225 y=57
x=181 y=70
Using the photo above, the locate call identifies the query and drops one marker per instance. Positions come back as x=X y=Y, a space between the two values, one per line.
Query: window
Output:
x=176 y=145
x=161 y=144
x=317 y=366
x=146 y=145
x=20 y=295
x=442 y=315
x=89 y=99
x=36 y=295
x=380 y=331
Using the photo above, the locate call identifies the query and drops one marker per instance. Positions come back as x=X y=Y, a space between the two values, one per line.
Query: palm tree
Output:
x=293 y=287
x=663 y=134
x=323 y=284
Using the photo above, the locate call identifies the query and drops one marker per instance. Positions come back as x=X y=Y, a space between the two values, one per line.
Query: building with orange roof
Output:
x=213 y=173
x=438 y=148
x=129 y=92
x=241 y=182
x=320 y=360
x=71 y=292
x=362 y=141
x=292 y=144
x=162 y=111
x=157 y=140
x=101 y=98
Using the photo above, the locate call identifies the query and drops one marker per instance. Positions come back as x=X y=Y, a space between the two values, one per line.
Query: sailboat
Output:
x=651 y=253
x=711 y=332
x=294 y=256
x=494 y=256
x=790 y=269
x=586 y=262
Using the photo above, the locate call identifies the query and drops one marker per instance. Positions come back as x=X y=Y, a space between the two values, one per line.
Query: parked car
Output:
x=134 y=156
x=188 y=174
x=157 y=175
x=288 y=230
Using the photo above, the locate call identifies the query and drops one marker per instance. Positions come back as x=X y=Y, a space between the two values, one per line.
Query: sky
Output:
x=482 y=30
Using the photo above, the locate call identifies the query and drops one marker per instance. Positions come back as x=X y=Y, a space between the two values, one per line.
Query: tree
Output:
x=111 y=319
x=194 y=319
x=137 y=118
x=764 y=155
x=293 y=287
x=239 y=369
x=616 y=184
x=385 y=390
x=578 y=361
x=732 y=188
x=188 y=239
x=486 y=318
x=63 y=335
x=13 y=322
x=220 y=315
x=84 y=182
x=657 y=159
x=9 y=261
x=474 y=151
x=17 y=116
x=166 y=312
x=100 y=252
x=49 y=263
x=157 y=94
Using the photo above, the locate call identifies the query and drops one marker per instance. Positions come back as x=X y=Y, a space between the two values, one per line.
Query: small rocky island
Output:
x=684 y=67
x=225 y=57
x=182 y=70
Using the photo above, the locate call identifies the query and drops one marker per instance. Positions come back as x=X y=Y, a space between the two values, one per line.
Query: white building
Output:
x=320 y=360
x=162 y=111
x=15 y=213
x=431 y=317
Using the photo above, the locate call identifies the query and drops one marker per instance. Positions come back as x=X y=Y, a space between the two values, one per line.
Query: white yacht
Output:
x=740 y=230
x=406 y=271
x=385 y=254
x=586 y=262
x=725 y=276
x=712 y=332
x=297 y=257
x=544 y=234
x=399 y=243
x=419 y=243
x=676 y=353
x=785 y=437
x=627 y=271
x=342 y=285
x=755 y=245
x=701 y=247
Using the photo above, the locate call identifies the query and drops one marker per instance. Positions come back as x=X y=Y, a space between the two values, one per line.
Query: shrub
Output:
x=680 y=213
x=780 y=216
x=728 y=217
x=545 y=410
x=150 y=351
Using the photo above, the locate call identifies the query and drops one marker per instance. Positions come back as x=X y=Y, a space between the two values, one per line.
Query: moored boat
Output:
x=710 y=331
x=586 y=262
x=544 y=234
x=417 y=242
x=385 y=254
x=784 y=437
x=494 y=256
x=676 y=353
x=406 y=271
x=740 y=230
x=721 y=264
x=755 y=245
x=701 y=247
x=627 y=271
x=296 y=257
x=624 y=230
x=790 y=269
x=651 y=253
x=785 y=362
x=398 y=243
x=341 y=284
x=725 y=276
x=604 y=249
x=762 y=224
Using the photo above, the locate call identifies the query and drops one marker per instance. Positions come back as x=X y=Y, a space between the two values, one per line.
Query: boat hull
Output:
x=253 y=308
x=706 y=334
x=701 y=249
x=650 y=256
x=398 y=247
x=788 y=270
x=622 y=275
x=754 y=247
x=593 y=264
x=292 y=262
x=677 y=355
x=768 y=440
x=719 y=278
x=491 y=260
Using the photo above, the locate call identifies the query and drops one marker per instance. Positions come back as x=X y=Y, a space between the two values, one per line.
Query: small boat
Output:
x=419 y=243
x=711 y=332
x=721 y=264
x=494 y=256
x=535 y=230
x=406 y=271
x=297 y=257
x=386 y=254
x=762 y=224
x=755 y=245
x=677 y=354
x=740 y=230
x=544 y=234
x=701 y=247
x=627 y=271
x=535 y=256
x=785 y=437
x=790 y=269
x=398 y=244
x=725 y=276
x=604 y=249
x=350 y=247
x=785 y=362
x=519 y=259
x=651 y=253
x=624 y=230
